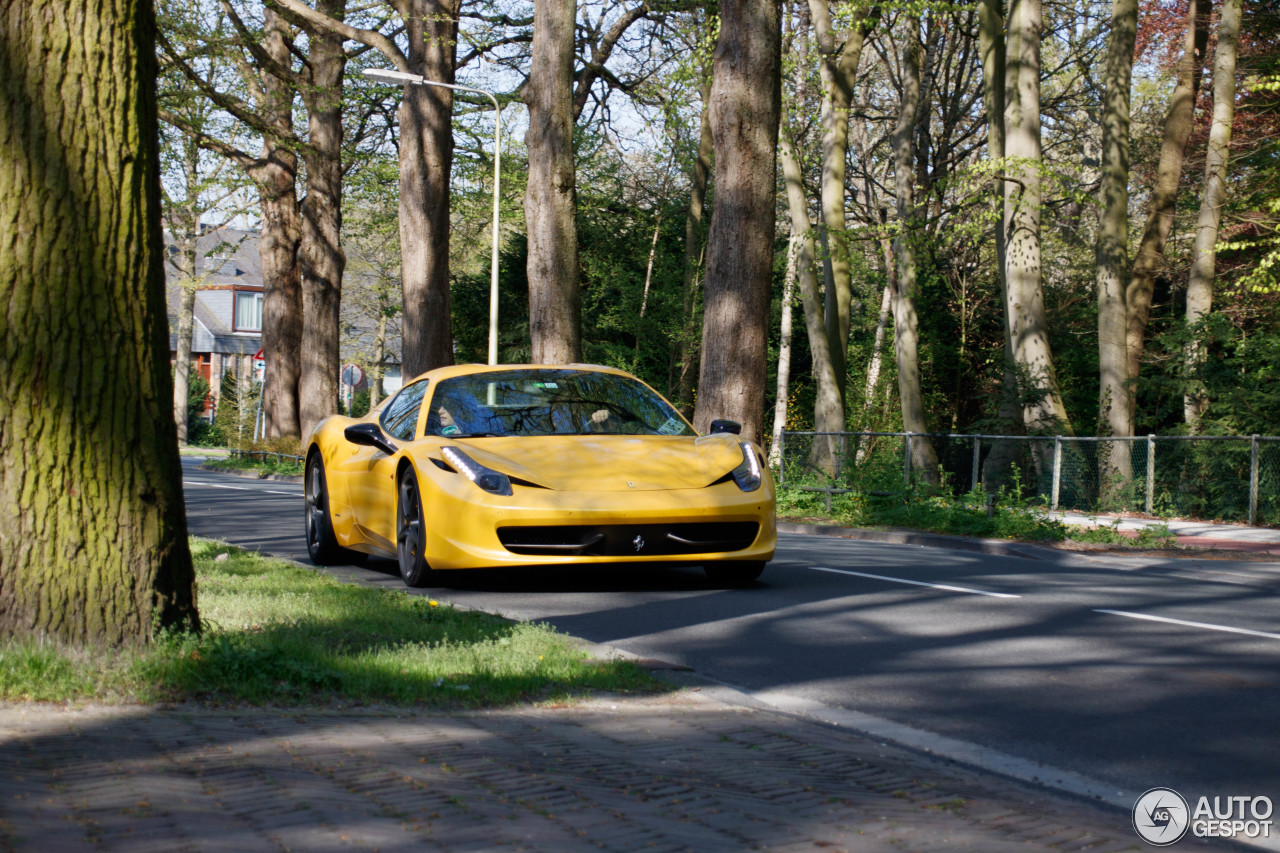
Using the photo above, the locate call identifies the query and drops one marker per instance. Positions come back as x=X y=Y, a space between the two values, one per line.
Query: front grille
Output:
x=630 y=540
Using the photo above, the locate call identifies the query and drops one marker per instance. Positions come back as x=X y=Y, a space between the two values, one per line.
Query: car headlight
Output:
x=747 y=475
x=491 y=481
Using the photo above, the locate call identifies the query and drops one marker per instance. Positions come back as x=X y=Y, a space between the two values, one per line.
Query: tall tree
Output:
x=550 y=202
x=838 y=69
x=686 y=351
x=802 y=262
x=992 y=46
x=1204 y=252
x=924 y=460
x=1149 y=257
x=745 y=106
x=1040 y=397
x=426 y=161
x=1112 y=253
x=95 y=547
x=267 y=110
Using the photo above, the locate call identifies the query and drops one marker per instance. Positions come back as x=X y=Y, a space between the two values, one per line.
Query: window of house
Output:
x=248 y=311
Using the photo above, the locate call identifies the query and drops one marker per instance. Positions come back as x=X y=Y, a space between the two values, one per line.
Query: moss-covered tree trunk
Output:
x=94 y=547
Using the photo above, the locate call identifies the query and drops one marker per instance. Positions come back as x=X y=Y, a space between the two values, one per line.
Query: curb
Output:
x=250 y=475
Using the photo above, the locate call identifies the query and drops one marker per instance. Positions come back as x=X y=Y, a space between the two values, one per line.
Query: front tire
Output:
x=411 y=532
x=322 y=543
x=738 y=573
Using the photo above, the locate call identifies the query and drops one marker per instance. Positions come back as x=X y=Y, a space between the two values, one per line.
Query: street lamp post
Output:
x=404 y=78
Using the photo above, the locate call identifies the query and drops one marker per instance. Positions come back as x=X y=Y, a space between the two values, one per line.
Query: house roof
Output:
x=225 y=257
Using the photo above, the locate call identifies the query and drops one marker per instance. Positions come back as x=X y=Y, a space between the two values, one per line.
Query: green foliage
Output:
x=261 y=463
x=198 y=389
x=359 y=404
x=923 y=509
x=1240 y=374
x=1154 y=536
x=277 y=633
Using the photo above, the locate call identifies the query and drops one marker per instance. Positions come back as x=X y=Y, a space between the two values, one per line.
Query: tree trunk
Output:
x=94 y=548
x=379 y=356
x=1043 y=411
x=687 y=348
x=991 y=43
x=278 y=244
x=828 y=408
x=321 y=254
x=182 y=356
x=426 y=161
x=745 y=106
x=1115 y=397
x=185 y=232
x=838 y=69
x=782 y=388
x=1177 y=130
x=924 y=460
x=877 y=348
x=1203 y=257
x=550 y=200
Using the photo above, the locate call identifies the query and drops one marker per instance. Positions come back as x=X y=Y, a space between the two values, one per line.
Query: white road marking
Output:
x=238 y=488
x=1227 y=628
x=917 y=583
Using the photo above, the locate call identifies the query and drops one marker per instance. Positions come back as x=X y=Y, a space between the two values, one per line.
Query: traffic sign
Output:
x=352 y=375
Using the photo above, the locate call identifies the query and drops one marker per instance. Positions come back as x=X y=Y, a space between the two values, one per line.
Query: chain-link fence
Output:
x=1224 y=477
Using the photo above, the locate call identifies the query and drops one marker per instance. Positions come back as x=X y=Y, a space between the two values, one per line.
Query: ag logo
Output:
x=1161 y=816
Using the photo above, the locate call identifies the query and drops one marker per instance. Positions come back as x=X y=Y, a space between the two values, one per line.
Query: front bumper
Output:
x=463 y=523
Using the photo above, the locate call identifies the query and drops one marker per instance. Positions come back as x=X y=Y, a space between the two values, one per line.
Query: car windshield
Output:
x=549 y=402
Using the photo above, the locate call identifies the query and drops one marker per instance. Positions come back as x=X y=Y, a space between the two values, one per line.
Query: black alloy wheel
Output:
x=322 y=545
x=411 y=534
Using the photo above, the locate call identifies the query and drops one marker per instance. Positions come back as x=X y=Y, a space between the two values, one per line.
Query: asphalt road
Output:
x=1134 y=676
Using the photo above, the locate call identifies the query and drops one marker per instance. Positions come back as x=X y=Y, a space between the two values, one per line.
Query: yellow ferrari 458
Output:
x=527 y=465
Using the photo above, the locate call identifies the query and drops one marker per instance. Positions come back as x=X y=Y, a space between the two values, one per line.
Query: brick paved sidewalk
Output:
x=679 y=772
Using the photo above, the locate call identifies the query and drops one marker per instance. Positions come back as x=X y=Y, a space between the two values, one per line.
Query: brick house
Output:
x=226 y=329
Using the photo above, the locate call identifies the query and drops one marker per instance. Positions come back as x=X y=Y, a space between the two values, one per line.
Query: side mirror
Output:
x=368 y=435
x=725 y=425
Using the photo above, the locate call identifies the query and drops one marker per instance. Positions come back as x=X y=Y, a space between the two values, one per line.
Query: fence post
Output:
x=906 y=459
x=1253 y=478
x=1057 y=471
x=1151 y=472
x=977 y=460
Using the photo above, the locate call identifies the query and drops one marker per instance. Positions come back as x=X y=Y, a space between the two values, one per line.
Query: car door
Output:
x=372 y=472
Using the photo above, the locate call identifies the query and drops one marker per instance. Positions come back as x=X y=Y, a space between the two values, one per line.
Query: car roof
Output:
x=473 y=369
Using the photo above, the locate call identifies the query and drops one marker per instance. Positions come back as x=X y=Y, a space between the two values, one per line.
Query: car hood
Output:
x=609 y=463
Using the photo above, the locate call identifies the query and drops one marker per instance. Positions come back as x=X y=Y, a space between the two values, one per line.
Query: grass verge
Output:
x=966 y=515
x=261 y=466
x=279 y=634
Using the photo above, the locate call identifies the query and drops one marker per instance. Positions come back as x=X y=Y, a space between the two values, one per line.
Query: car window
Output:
x=400 y=417
x=542 y=401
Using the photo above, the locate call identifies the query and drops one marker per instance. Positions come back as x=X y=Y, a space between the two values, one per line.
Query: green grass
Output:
x=962 y=516
x=276 y=633
x=259 y=465
x=1155 y=536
